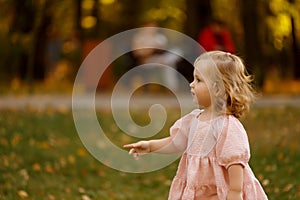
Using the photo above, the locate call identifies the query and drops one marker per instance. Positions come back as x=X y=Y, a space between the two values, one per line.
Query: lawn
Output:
x=42 y=157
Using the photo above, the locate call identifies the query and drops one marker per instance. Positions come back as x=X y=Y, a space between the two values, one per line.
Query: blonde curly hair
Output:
x=228 y=81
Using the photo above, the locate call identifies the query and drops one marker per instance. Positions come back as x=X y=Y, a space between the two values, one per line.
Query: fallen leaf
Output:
x=22 y=194
x=71 y=159
x=49 y=169
x=288 y=187
x=24 y=174
x=81 y=152
x=85 y=197
x=265 y=182
x=68 y=190
x=15 y=140
x=81 y=190
x=280 y=156
x=36 y=167
x=51 y=197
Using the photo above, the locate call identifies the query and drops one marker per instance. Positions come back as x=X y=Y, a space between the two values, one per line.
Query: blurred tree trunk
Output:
x=22 y=15
x=132 y=14
x=295 y=50
x=198 y=14
x=77 y=17
x=96 y=14
x=253 y=47
x=94 y=32
x=40 y=41
x=78 y=30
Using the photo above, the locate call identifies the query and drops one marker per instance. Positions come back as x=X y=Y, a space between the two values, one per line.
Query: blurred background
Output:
x=43 y=42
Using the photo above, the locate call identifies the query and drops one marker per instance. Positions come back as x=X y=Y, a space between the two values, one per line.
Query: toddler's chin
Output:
x=195 y=99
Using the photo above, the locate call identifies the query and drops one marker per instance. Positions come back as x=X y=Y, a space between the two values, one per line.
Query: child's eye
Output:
x=198 y=80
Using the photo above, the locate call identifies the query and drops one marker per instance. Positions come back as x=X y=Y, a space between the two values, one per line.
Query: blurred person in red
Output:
x=216 y=37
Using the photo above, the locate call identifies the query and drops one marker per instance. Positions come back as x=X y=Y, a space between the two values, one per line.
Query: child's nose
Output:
x=192 y=84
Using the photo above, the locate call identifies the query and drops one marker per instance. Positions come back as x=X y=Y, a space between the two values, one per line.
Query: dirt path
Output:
x=42 y=102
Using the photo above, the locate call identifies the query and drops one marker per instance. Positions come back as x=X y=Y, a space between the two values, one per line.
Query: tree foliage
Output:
x=262 y=30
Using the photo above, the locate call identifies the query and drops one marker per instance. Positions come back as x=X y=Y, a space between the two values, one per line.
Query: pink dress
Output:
x=209 y=148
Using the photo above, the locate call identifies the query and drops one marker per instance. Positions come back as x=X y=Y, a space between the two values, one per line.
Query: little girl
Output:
x=215 y=146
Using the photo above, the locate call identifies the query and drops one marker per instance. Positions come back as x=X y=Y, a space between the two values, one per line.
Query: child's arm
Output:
x=236 y=179
x=164 y=145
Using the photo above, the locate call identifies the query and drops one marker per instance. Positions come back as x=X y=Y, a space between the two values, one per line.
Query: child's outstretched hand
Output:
x=139 y=148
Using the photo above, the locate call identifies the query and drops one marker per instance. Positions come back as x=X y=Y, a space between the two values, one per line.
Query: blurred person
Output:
x=160 y=54
x=216 y=37
x=148 y=37
x=215 y=146
x=170 y=59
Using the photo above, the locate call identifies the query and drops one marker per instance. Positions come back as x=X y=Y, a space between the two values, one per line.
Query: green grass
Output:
x=41 y=157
